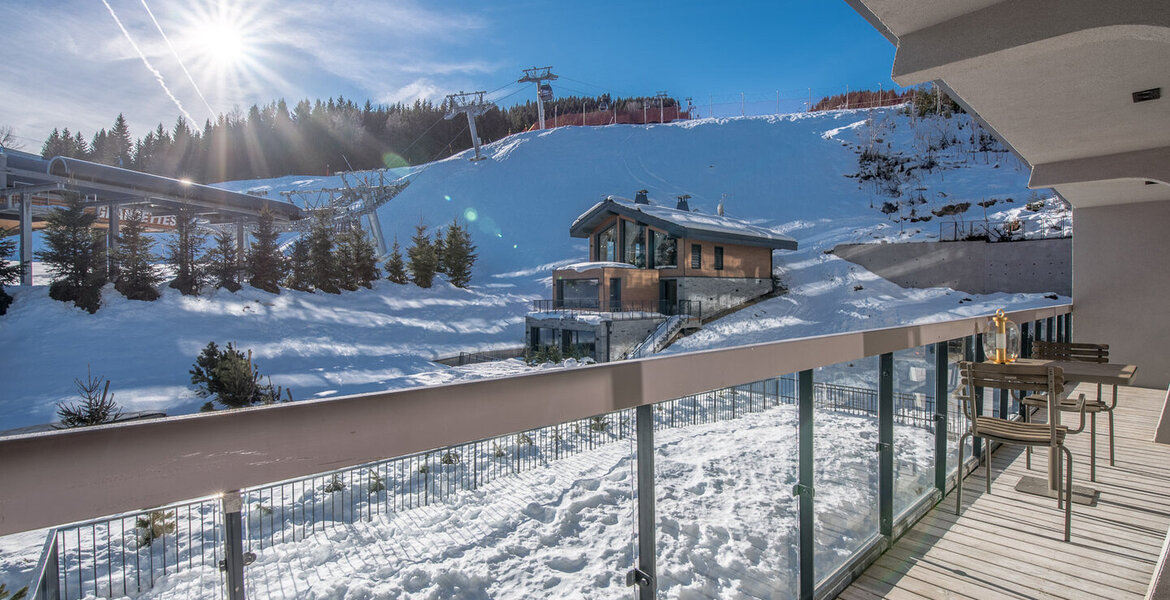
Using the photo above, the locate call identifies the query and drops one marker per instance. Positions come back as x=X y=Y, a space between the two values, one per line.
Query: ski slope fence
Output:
x=127 y=554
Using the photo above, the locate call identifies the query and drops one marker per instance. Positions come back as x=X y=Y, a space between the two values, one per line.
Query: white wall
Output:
x=1121 y=285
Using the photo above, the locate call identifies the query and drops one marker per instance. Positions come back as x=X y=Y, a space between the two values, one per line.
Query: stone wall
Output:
x=721 y=293
x=625 y=335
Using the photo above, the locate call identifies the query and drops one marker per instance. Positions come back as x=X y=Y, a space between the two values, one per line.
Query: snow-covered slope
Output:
x=787 y=173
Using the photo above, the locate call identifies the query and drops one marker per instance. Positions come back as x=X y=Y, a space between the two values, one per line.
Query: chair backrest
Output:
x=1097 y=353
x=1027 y=378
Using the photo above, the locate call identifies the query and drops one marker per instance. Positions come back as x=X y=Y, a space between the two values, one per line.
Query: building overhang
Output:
x=1054 y=79
x=746 y=235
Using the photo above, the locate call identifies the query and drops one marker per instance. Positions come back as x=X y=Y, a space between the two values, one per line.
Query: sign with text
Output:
x=126 y=214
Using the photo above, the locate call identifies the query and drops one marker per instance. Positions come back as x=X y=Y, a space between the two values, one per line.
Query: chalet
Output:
x=652 y=271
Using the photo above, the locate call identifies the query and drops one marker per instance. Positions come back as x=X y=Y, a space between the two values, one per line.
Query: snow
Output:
x=786 y=174
x=316 y=345
x=581 y=267
x=698 y=221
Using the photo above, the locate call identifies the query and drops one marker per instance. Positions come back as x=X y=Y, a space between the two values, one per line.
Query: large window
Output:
x=718 y=258
x=542 y=337
x=634 y=244
x=663 y=250
x=696 y=256
x=578 y=343
x=607 y=244
x=578 y=293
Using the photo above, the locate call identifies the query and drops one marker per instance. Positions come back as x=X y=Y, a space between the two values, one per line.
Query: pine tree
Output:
x=120 y=143
x=423 y=261
x=223 y=262
x=9 y=273
x=345 y=257
x=80 y=148
x=97 y=404
x=323 y=264
x=395 y=268
x=440 y=247
x=137 y=275
x=359 y=260
x=76 y=254
x=184 y=252
x=459 y=255
x=230 y=378
x=266 y=264
x=54 y=145
x=298 y=273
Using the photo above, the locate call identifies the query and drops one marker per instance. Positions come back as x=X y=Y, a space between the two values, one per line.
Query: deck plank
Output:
x=1010 y=545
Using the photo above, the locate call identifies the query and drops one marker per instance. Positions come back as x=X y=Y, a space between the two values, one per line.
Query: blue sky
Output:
x=69 y=64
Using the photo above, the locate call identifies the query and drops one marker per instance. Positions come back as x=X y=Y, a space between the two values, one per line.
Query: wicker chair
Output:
x=1096 y=353
x=1032 y=379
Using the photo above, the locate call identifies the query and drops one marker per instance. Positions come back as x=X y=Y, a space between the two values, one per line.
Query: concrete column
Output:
x=112 y=239
x=26 y=254
x=1120 y=288
x=241 y=240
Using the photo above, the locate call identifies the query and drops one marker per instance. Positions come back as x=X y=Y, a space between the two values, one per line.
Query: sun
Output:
x=230 y=48
x=224 y=37
x=222 y=44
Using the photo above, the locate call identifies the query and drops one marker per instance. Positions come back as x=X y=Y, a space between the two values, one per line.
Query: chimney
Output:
x=640 y=197
x=682 y=203
x=719 y=209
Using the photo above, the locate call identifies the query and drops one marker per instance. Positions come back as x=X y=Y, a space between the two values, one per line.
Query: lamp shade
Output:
x=1001 y=342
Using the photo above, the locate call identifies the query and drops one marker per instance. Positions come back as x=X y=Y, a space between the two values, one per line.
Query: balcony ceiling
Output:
x=1054 y=79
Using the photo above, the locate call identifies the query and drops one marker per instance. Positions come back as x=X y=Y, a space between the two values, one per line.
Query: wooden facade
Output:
x=643 y=284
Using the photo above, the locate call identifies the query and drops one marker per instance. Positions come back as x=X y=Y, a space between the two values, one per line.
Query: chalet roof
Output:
x=682 y=224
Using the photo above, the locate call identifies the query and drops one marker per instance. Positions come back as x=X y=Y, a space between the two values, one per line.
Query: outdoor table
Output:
x=1114 y=374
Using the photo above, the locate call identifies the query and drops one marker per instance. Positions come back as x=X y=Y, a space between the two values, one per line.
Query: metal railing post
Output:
x=941 y=405
x=233 y=537
x=886 y=443
x=977 y=442
x=46 y=584
x=645 y=576
x=804 y=487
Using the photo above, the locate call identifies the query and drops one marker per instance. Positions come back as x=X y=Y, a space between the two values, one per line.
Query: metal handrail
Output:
x=619 y=311
x=1011 y=230
x=197 y=455
x=45 y=582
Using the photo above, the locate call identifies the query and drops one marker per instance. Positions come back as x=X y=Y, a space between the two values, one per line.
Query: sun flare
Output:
x=225 y=38
x=222 y=43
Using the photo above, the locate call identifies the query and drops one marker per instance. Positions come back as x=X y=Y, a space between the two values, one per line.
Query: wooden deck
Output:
x=1009 y=545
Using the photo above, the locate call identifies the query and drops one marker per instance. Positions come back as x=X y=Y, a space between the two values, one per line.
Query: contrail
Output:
x=176 y=55
x=146 y=62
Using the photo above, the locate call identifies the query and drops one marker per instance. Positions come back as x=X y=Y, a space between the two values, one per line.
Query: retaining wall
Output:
x=1031 y=266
